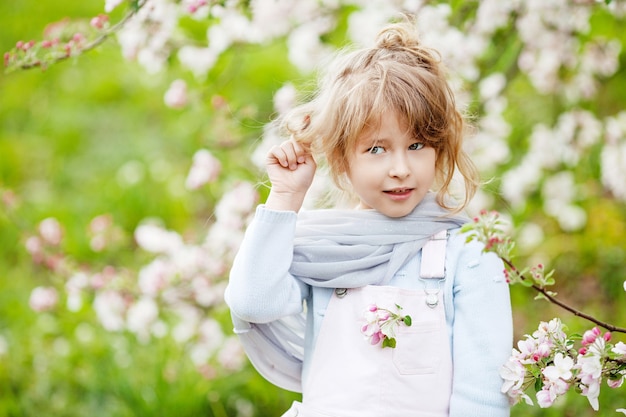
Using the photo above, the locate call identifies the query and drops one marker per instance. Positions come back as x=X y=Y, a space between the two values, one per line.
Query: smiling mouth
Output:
x=399 y=191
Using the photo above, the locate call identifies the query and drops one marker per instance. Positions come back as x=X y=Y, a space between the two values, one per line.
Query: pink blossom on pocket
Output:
x=381 y=324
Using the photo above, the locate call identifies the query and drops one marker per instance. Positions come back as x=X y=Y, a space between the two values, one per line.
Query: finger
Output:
x=301 y=152
x=277 y=154
x=291 y=152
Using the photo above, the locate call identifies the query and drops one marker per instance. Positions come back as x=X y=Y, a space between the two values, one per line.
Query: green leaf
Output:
x=389 y=342
x=407 y=320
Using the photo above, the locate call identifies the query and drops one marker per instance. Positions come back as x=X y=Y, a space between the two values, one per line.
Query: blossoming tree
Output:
x=540 y=79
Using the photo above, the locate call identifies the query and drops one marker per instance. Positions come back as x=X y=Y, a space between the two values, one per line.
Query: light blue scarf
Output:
x=354 y=248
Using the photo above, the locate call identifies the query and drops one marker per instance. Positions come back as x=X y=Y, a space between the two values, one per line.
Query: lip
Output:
x=399 y=193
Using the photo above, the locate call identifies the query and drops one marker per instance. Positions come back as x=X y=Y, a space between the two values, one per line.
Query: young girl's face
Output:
x=389 y=169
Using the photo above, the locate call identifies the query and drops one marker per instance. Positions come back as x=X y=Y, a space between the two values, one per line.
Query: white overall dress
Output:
x=349 y=377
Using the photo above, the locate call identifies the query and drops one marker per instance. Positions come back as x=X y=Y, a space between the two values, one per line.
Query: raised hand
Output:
x=290 y=167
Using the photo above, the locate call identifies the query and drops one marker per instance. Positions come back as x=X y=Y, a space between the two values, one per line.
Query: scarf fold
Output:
x=354 y=248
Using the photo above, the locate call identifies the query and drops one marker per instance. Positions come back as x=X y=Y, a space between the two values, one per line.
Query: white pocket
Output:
x=418 y=349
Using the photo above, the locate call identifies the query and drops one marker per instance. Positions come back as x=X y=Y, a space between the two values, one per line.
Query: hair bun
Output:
x=398 y=36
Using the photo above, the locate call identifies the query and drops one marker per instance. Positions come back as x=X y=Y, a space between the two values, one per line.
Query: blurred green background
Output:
x=92 y=136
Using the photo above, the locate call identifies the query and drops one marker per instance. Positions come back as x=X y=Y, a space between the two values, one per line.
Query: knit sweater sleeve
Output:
x=482 y=333
x=260 y=288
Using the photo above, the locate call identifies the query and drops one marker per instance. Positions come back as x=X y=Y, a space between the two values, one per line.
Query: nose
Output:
x=399 y=166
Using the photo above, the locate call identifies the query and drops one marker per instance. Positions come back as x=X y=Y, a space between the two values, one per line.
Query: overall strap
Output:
x=434 y=256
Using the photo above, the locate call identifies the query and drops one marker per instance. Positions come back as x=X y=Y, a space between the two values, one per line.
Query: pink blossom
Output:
x=545 y=398
x=615 y=383
x=236 y=206
x=513 y=374
x=154 y=277
x=176 y=96
x=590 y=336
x=43 y=299
x=99 y=21
x=205 y=169
x=51 y=231
x=34 y=246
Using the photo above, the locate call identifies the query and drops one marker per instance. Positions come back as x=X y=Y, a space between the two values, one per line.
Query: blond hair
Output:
x=398 y=74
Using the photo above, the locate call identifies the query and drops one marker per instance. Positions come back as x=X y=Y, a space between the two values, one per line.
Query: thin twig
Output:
x=91 y=45
x=567 y=307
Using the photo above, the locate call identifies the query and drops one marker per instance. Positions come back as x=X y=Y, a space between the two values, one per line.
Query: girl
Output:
x=382 y=310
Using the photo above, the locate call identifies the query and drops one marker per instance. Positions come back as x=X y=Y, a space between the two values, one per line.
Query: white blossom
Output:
x=43 y=298
x=176 y=95
x=51 y=231
x=110 y=308
x=155 y=239
x=205 y=169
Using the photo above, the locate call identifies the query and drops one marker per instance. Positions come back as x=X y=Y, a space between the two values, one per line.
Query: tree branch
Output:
x=91 y=45
x=567 y=307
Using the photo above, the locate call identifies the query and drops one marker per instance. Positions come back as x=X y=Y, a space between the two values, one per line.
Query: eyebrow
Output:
x=374 y=141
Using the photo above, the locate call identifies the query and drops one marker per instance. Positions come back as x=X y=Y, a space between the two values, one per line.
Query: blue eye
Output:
x=416 y=146
x=376 y=150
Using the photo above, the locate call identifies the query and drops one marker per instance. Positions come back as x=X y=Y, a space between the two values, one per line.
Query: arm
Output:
x=261 y=289
x=482 y=334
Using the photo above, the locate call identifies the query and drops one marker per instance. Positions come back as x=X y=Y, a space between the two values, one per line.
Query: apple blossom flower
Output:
x=51 y=231
x=231 y=354
x=620 y=349
x=590 y=336
x=176 y=96
x=140 y=317
x=155 y=239
x=590 y=375
x=561 y=370
x=381 y=323
x=545 y=397
x=43 y=299
x=199 y=60
x=205 y=169
x=100 y=21
x=109 y=5
x=110 y=307
x=616 y=382
x=285 y=98
x=513 y=373
x=234 y=208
